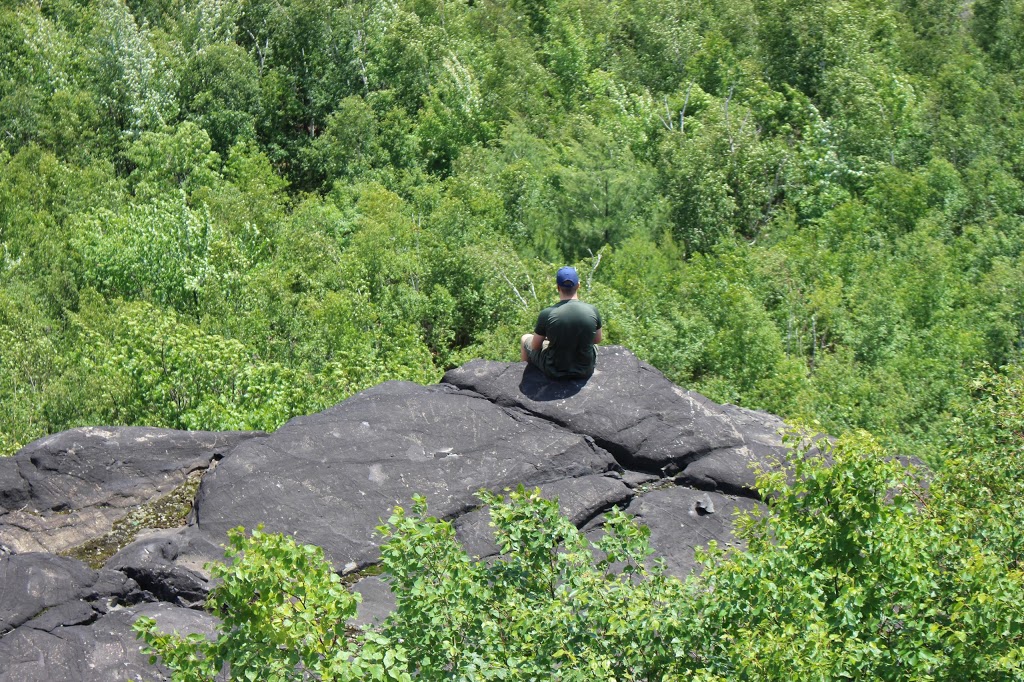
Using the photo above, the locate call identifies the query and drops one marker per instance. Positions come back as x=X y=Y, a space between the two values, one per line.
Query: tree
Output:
x=133 y=87
x=856 y=571
x=220 y=90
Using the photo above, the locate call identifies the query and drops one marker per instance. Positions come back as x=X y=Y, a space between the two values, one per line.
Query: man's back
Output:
x=569 y=327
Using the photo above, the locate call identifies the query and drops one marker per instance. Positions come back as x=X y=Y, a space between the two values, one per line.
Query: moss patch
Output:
x=169 y=511
x=660 y=484
x=355 y=576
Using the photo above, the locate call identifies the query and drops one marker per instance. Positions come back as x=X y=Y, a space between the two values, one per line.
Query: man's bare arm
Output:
x=598 y=336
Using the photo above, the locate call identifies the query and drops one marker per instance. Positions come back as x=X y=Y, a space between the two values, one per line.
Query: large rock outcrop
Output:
x=648 y=423
x=65 y=489
x=625 y=437
x=331 y=477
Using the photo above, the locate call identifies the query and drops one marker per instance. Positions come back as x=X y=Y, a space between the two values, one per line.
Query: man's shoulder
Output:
x=571 y=310
x=546 y=312
x=589 y=307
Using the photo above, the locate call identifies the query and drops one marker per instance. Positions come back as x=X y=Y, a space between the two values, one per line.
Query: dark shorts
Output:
x=532 y=355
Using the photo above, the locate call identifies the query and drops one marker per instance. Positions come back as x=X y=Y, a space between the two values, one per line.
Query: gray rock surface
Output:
x=626 y=437
x=183 y=547
x=168 y=566
x=104 y=650
x=65 y=489
x=682 y=519
x=34 y=583
x=580 y=499
x=733 y=470
x=377 y=600
x=628 y=407
x=647 y=422
x=331 y=477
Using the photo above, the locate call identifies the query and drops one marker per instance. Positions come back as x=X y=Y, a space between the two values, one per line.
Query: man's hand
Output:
x=536 y=343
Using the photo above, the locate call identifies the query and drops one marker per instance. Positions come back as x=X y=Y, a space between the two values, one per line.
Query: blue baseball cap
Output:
x=567 y=277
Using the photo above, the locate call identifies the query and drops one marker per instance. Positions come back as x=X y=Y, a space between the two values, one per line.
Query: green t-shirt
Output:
x=569 y=327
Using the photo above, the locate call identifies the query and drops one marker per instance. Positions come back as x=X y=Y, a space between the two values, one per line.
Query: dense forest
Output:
x=218 y=214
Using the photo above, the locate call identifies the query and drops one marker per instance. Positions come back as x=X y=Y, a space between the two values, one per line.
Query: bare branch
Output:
x=746 y=120
x=667 y=121
x=590 y=277
x=516 y=291
x=259 y=52
x=682 y=112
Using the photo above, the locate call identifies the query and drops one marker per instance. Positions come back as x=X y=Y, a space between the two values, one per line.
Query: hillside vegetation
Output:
x=223 y=213
x=219 y=214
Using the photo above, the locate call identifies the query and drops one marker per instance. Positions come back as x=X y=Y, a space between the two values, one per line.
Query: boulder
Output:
x=629 y=408
x=733 y=470
x=331 y=478
x=169 y=565
x=36 y=583
x=99 y=650
x=63 y=490
x=61 y=621
x=580 y=499
x=682 y=519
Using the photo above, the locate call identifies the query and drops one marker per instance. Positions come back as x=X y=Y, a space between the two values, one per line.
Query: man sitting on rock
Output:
x=562 y=342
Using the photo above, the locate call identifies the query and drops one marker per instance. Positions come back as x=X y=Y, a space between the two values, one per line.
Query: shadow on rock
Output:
x=536 y=386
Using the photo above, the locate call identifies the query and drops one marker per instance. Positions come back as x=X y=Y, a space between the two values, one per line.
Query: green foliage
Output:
x=284 y=616
x=143 y=366
x=220 y=89
x=549 y=607
x=133 y=87
x=859 y=571
x=348 y=147
x=853 y=574
x=27 y=363
x=162 y=251
x=831 y=584
x=997 y=28
x=167 y=163
x=984 y=473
